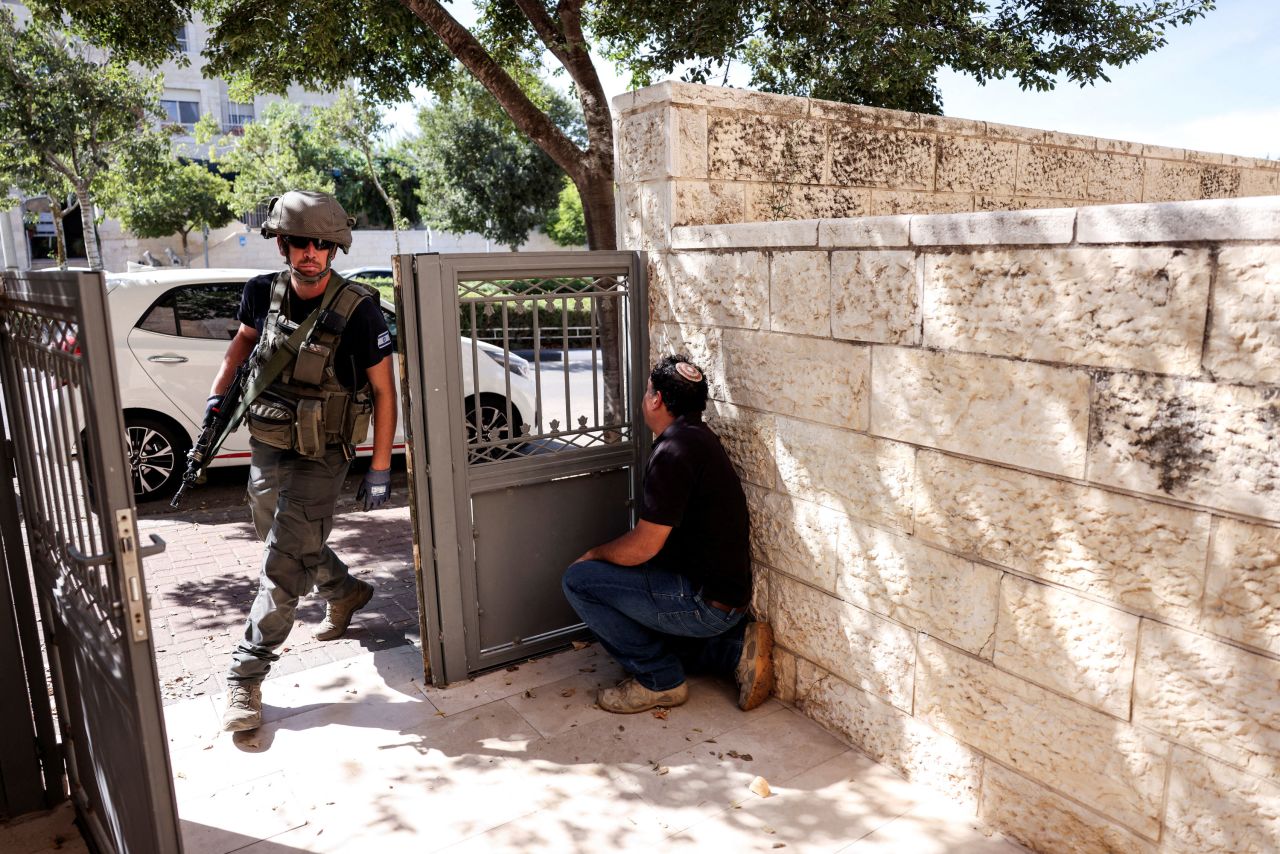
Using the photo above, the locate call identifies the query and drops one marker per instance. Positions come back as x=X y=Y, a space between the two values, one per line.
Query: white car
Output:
x=170 y=330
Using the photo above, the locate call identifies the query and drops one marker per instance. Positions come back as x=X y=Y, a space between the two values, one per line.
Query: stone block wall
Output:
x=1015 y=491
x=696 y=155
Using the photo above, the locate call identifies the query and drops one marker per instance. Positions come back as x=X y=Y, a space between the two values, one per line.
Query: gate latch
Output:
x=131 y=568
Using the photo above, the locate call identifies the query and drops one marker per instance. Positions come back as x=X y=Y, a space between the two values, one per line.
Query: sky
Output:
x=1214 y=87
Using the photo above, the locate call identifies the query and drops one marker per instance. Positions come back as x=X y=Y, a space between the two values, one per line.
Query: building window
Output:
x=180 y=38
x=239 y=115
x=181 y=112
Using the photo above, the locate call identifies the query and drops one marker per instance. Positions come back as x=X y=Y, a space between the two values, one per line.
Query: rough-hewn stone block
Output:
x=1205 y=694
x=894 y=202
x=861 y=476
x=864 y=650
x=748 y=235
x=1061 y=641
x=1112 y=766
x=884 y=733
x=891 y=574
x=800 y=293
x=1216 y=809
x=1259 y=182
x=1014 y=412
x=1044 y=821
x=798 y=537
x=968 y=165
x=1021 y=203
x=875 y=297
x=776 y=202
x=748 y=437
x=802 y=377
x=760 y=592
x=630 y=223
x=784 y=675
x=1060 y=173
x=877 y=158
x=1244 y=339
x=1084 y=538
x=642 y=144
x=1121 y=307
x=1206 y=443
x=1115 y=178
x=727 y=290
x=857 y=114
x=1242 y=594
x=1211 y=219
x=655 y=213
x=707 y=203
x=688 y=142
x=869 y=232
x=660 y=292
x=1166 y=181
x=765 y=148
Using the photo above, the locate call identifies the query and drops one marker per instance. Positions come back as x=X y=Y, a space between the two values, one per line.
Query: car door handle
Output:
x=167 y=360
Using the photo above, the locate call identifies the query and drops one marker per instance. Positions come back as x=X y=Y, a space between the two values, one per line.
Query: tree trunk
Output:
x=90 y=228
x=186 y=256
x=596 y=191
x=59 y=236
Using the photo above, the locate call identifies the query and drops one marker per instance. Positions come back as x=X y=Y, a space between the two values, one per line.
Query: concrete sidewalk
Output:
x=358 y=755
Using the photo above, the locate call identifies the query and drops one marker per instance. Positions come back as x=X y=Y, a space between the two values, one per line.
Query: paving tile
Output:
x=516 y=679
x=262 y=808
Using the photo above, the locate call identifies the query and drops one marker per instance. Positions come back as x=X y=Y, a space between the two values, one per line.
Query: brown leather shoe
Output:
x=337 y=616
x=755 y=666
x=629 y=697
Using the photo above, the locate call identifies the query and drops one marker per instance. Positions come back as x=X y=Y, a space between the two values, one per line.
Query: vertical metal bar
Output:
x=506 y=373
x=595 y=360
x=564 y=362
x=537 y=360
x=476 y=417
x=57 y=490
x=68 y=387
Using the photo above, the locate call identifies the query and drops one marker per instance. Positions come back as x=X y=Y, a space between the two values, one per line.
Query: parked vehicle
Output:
x=170 y=330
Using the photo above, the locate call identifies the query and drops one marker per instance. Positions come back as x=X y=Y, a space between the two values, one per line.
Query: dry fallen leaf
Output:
x=568 y=692
x=760 y=786
x=580 y=644
x=660 y=713
x=662 y=769
x=529 y=695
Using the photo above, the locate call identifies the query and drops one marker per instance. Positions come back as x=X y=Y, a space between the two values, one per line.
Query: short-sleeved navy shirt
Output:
x=690 y=485
x=365 y=342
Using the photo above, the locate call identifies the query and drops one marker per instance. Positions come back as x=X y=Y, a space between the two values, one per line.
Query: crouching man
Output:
x=673 y=592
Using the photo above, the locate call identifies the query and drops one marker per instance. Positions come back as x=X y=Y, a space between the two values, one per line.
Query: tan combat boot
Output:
x=629 y=697
x=755 y=666
x=337 y=616
x=244 y=707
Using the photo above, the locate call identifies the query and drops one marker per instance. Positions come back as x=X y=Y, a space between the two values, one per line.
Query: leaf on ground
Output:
x=529 y=695
x=660 y=713
x=580 y=644
x=568 y=692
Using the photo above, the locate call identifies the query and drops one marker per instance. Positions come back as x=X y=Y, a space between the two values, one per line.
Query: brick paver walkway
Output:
x=202 y=585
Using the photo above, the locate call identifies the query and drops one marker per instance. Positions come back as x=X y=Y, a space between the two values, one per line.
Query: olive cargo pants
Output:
x=292 y=499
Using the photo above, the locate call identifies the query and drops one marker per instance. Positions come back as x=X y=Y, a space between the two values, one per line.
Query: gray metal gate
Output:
x=517 y=466
x=58 y=373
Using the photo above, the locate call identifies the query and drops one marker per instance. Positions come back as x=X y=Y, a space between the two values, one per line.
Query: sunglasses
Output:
x=298 y=242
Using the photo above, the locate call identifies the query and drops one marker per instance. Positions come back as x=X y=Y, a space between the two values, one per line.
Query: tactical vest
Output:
x=306 y=409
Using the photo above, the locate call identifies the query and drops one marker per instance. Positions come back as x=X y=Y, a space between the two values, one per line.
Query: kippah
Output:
x=689 y=372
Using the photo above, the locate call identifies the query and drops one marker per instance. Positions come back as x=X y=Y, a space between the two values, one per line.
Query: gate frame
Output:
x=112 y=502
x=439 y=496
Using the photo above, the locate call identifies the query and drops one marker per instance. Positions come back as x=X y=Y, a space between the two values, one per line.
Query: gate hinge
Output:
x=475 y=532
x=131 y=567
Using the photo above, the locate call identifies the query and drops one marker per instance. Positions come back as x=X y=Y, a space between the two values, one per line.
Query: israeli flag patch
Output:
x=384 y=340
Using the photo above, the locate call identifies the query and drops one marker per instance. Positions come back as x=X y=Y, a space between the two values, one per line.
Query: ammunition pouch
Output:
x=270 y=419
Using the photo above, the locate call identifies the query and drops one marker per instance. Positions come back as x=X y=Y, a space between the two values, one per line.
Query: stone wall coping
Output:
x=1251 y=218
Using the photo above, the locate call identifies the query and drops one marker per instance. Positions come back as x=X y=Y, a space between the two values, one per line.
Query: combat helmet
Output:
x=308 y=213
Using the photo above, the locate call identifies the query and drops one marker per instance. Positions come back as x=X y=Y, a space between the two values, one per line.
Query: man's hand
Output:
x=211 y=407
x=375 y=489
x=633 y=548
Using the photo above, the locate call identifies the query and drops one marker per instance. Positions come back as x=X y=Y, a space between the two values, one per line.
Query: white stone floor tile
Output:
x=360 y=756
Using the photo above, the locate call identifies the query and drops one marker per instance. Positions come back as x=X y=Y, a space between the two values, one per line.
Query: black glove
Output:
x=375 y=489
x=211 y=407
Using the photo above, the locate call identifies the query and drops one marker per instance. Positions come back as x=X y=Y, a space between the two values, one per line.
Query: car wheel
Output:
x=157 y=456
x=489 y=424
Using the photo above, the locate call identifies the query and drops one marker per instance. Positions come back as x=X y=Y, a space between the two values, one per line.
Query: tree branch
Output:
x=523 y=112
x=595 y=105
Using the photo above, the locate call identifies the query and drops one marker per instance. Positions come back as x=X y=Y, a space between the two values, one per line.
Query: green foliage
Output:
x=356 y=123
x=479 y=173
x=66 y=114
x=886 y=53
x=177 y=198
x=280 y=151
x=566 y=225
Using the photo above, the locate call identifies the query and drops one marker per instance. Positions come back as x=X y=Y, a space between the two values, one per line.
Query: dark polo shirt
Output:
x=690 y=485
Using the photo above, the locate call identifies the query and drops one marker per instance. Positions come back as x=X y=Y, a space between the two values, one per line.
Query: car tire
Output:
x=489 y=425
x=157 y=456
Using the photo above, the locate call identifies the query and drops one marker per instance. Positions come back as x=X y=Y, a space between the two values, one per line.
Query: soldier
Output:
x=304 y=427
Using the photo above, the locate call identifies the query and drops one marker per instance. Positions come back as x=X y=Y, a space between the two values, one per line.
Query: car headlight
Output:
x=518 y=364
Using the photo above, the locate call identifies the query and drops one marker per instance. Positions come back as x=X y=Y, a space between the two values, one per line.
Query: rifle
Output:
x=216 y=430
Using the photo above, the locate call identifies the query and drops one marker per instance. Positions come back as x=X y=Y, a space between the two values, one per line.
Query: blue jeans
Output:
x=654 y=622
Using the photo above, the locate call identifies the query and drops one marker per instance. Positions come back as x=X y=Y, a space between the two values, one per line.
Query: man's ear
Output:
x=280 y=244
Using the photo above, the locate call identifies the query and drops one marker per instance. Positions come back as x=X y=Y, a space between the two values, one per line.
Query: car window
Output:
x=391 y=324
x=196 y=311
